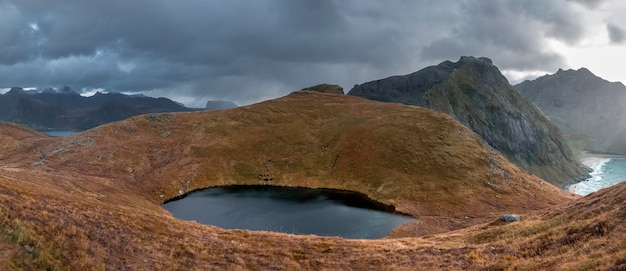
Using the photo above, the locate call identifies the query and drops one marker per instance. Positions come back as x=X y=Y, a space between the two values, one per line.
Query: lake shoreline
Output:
x=291 y=210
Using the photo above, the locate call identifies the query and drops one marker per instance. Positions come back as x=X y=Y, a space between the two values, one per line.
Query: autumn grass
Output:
x=30 y=252
x=96 y=206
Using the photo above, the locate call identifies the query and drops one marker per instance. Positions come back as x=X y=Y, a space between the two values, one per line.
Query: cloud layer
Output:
x=247 y=51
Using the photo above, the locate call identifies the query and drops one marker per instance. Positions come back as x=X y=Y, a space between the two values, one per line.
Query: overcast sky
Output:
x=246 y=51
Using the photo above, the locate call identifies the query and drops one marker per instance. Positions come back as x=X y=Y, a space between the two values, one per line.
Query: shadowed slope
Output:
x=587 y=108
x=474 y=92
x=95 y=200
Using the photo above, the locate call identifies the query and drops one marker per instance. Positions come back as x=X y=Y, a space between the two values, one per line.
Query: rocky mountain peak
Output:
x=15 y=91
x=581 y=72
x=584 y=106
x=475 y=92
x=471 y=59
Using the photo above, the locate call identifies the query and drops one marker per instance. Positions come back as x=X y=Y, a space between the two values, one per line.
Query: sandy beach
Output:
x=594 y=161
x=588 y=158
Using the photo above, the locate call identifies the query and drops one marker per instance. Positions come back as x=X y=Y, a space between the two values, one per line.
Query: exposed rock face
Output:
x=215 y=105
x=588 y=109
x=325 y=88
x=475 y=92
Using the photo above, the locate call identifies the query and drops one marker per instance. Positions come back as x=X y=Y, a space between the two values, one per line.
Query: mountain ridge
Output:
x=475 y=92
x=67 y=110
x=589 y=109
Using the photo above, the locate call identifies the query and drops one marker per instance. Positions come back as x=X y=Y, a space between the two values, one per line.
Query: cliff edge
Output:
x=474 y=92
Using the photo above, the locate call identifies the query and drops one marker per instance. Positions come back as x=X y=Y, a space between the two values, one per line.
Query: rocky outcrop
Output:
x=325 y=88
x=508 y=218
x=475 y=92
x=589 y=110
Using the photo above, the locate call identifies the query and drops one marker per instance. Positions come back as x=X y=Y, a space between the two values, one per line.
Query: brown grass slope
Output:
x=15 y=138
x=421 y=161
x=586 y=234
x=92 y=200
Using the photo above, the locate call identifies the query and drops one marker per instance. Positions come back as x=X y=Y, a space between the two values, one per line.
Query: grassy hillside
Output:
x=92 y=200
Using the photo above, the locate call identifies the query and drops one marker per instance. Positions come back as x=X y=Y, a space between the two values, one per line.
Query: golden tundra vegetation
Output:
x=92 y=201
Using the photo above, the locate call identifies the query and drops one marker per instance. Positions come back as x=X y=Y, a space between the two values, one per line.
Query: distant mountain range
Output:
x=65 y=109
x=475 y=92
x=591 y=111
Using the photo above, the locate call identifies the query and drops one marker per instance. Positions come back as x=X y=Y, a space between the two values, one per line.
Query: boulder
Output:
x=508 y=218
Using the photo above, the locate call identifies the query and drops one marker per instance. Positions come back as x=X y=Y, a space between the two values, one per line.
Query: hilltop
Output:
x=588 y=109
x=474 y=92
x=92 y=200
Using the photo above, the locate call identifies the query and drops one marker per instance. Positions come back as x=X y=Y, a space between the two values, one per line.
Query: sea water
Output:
x=605 y=172
x=288 y=210
x=59 y=133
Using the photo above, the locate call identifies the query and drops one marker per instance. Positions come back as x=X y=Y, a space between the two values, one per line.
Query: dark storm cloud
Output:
x=245 y=51
x=511 y=32
x=616 y=34
x=217 y=47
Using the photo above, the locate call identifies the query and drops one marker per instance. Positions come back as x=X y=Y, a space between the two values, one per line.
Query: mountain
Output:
x=214 y=105
x=588 y=109
x=92 y=200
x=474 y=92
x=67 y=110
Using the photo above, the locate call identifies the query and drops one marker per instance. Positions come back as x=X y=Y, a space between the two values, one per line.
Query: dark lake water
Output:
x=291 y=210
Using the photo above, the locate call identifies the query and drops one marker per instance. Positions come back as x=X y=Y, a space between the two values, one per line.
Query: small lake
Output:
x=59 y=133
x=324 y=212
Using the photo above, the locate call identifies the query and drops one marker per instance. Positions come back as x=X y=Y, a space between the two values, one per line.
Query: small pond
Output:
x=324 y=212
